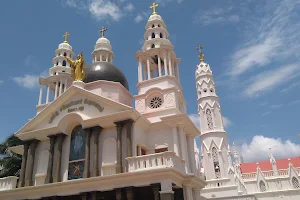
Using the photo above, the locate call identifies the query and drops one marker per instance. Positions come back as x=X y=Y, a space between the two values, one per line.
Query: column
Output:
x=57 y=172
x=111 y=58
x=30 y=163
x=166 y=191
x=60 y=87
x=155 y=189
x=191 y=151
x=188 y=194
x=196 y=194
x=129 y=138
x=95 y=60
x=96 y=132
x=23 y=165
x=86 y=172
x=140 y=70
x=101 y=57
x=165 y=64
x=48 y=92
x=66 y=83
x=129 y=193
x=159 y=65
x=177 y=70
x=118 y=194
x=106 y=59
x=170 y=63
x=41 y=95
x=144 y=71
x=175 y=139
x=148 y=69
x=183 y=147
x=56 y=89
x=49 y=177
x=119 y=147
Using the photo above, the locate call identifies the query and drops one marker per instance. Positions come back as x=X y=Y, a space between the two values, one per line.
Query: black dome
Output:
x=105 y=71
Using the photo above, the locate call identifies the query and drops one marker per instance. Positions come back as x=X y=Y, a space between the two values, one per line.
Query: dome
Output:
x=103 y=43
x=105 y=71
x=154 y=17
x=65 y=45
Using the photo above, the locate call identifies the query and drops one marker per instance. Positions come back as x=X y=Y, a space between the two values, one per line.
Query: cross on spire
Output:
x=66 y=35
x=102 y=30
x=201 y=55
x=154 y=6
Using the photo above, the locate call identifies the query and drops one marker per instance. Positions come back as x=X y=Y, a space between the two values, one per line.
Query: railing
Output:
x=108 y=169
x=8 y=183
x=215 y=183
x=269 y=174
x=166 y=159
x=243 y=197
x=283 y=172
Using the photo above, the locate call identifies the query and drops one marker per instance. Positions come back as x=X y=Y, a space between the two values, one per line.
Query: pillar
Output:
x=165 y=64
x=118 y=194
x=196 y=194
x=170 y=63
x=166 y=191
x=86 y=172
x=183 y=147
x=96 y=132
x=119 y=147
x=101 y=57
x=41 y=95
x=129 y=193
x=175 y=140
x=66 y=82
x=144 y=73
x=48 y=92
x=23 y=165
x=57 y=172
x=56 y=88
x=155 y=189
x=30 y=163
x=106 y=58
x=140 y=70
x=60 y=87
x=177 y=70
x=111 y=58
x=188 y=194
x=159 y=65
x=148 y=69
x=191 y=152
x=49 y=177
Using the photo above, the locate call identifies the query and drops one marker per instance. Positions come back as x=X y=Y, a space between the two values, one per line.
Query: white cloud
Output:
x=165 y=2
x=258 y=149
x=270 y=79
x=195 y=120
x=138 y=18
x=27 y=81
x=291 y=86
x=129 y=7
x=268 y=37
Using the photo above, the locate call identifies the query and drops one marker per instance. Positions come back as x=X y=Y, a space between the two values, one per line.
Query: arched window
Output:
x=161 y=35
x=77 y=153
x=153 y=46
x=153 y=35
x=295 y=182
x=56 y=63
x=65 y=54
x=153 y=25
x=209 y=119
x=216 y=162
x=158 y=25
x=64 y=63
x=262 y=186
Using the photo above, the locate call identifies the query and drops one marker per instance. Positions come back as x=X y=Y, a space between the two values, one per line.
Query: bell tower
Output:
x=159 y=89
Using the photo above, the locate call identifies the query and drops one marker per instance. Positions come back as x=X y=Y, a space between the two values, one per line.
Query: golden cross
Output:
x=102 y=30
x=66 y=35
x=201 y=55
x=154 y=5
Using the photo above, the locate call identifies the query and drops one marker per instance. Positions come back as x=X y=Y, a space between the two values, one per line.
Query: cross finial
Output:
x=66 y=35
x=201 y=55
x=102 y=30
x=154 y=6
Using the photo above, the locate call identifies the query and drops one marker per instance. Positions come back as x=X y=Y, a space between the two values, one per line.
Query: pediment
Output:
x=74 y=103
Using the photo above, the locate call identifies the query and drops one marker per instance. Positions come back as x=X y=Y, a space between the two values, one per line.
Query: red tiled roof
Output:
x=266 y=165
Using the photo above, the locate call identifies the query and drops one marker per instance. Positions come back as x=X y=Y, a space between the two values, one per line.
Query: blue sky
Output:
x=252 y=47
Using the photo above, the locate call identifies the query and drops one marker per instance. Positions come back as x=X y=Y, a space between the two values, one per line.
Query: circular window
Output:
x=211 y=90
x=205 y=90
x=155 y=102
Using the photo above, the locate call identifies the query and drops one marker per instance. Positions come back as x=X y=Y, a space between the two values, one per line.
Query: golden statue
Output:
x=78 y=67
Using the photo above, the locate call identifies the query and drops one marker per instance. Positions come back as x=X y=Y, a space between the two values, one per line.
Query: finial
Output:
x=102 y=30
x=257 y=164
x=154 y=6
x=201 y=55
x=66 y=35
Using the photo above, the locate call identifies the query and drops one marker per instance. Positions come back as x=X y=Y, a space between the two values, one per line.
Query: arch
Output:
x=216 y=163
x=64 y=63
x=153 y=35
x=153 y=25
x=56 y=63
x=161 y=35
x=69 y=121
x=295 y=182
x=65 y=54
x=158 y=25
x=262 y=186
x=209 y=119
x=109 y=151
x=153 y=46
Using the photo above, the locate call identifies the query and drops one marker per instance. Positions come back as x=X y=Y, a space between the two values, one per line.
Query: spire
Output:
x=236 y=155
x=154 y=6
x=66 y=35
x=272 y=159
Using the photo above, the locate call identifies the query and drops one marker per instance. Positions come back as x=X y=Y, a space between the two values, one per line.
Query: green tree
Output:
x=10 y=162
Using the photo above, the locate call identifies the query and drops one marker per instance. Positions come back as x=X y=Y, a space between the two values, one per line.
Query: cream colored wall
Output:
x=41 y=162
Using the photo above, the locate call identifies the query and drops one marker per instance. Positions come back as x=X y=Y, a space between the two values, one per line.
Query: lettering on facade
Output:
x=70 y=107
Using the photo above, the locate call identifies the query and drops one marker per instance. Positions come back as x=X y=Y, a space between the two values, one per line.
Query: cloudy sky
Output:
x=252 y=47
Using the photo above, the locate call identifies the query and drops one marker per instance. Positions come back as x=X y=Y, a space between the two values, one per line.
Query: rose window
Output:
x=156 y=102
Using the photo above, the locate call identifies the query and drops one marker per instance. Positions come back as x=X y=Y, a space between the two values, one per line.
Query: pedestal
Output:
x=79 y=84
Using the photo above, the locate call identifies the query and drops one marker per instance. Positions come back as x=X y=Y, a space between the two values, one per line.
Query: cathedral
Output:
x=88 y=142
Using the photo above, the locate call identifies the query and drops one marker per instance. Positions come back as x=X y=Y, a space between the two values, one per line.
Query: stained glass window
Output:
x=262 y=186
x=77 y=153
x=209 y=119
x=295 y=182
x=216 y=162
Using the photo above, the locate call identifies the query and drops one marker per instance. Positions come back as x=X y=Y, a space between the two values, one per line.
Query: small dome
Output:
x=154 y=17
x=105 y=71
x=65 y=45
x=103 y=43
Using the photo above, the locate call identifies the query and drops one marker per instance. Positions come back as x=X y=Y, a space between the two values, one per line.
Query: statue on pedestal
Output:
x=78 y=67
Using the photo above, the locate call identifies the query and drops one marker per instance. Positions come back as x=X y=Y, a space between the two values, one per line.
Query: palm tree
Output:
x=10 y=162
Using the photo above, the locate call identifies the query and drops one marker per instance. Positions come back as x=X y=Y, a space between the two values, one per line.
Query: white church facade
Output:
x=88 y=141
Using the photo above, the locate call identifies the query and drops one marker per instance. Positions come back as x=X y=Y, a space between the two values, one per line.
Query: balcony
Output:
x=166 y=159
x=8 y=183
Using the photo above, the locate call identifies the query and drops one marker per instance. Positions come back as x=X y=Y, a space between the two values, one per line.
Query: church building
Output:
x=88 y=142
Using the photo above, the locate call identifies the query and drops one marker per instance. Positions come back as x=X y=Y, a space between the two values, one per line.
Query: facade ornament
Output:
x=78 y=67
x=66 y=35
x=102 y=30
x=201 y=55
x=154 y=6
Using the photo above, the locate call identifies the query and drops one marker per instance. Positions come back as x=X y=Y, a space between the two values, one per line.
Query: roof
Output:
x=266 y=165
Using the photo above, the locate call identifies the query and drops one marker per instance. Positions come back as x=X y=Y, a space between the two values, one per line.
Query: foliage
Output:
x=10 y=162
